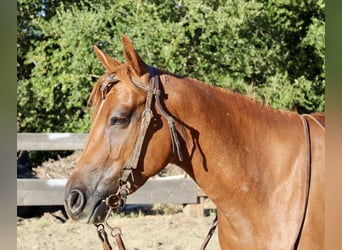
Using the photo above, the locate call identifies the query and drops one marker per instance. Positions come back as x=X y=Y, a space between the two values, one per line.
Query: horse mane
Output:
x=124 y=71
x=242 y=97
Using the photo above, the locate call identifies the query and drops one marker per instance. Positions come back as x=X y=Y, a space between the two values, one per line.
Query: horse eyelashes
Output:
x=120 y=120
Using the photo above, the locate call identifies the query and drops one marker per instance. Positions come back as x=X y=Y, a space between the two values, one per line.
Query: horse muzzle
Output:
x=84 y=206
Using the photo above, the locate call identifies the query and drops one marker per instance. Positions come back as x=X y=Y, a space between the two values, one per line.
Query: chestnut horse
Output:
x=264 y=169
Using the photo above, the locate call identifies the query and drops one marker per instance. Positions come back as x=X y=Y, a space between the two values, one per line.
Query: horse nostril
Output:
x=76 y=201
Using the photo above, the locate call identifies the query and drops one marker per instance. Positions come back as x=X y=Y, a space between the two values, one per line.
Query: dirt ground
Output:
x=174 y=231
x=157 y=227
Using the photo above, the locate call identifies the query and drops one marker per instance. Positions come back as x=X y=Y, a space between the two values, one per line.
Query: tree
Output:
x=272 y=51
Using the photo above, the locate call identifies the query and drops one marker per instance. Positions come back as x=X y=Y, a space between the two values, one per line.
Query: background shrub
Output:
x=270 y=50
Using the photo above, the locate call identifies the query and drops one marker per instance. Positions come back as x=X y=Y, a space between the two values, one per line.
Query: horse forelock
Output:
x=123 y=72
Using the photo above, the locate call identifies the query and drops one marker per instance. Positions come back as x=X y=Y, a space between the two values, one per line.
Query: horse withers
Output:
x=264 y=169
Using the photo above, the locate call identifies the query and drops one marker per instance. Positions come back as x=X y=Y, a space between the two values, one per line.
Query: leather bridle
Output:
x=117 y=200
x=153 y=90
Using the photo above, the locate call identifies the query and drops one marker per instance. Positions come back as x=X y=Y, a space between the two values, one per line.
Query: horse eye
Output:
x=120 y=120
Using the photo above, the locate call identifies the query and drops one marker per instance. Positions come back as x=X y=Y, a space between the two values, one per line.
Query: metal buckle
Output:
x=147 y=115
x=113 y=201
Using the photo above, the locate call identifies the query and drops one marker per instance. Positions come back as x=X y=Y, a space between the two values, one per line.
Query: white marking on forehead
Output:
x=100 y=108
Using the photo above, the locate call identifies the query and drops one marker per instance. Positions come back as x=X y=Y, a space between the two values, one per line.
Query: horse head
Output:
x=119 y=101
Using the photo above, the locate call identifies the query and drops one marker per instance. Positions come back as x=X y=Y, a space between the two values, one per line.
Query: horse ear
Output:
x=107 y=61
x=132 y=57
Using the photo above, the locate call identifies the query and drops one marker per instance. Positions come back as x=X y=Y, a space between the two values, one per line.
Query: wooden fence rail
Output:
x=50 y=141
x=44 y=192
x=173 y=189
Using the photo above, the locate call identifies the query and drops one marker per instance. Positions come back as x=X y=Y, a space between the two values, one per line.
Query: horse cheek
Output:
x=116 y=147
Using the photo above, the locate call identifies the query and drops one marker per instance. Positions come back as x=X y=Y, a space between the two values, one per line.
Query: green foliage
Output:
x=273 y=51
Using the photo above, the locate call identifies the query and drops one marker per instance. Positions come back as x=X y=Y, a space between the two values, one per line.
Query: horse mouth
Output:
x=99 y=213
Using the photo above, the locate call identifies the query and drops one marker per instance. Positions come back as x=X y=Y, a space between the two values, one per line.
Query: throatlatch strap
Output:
x=170 y=120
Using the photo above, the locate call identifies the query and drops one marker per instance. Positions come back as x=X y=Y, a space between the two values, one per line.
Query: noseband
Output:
x=153 y=90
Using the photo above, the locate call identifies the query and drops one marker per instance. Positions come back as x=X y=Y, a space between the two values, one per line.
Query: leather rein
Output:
x=304 y=118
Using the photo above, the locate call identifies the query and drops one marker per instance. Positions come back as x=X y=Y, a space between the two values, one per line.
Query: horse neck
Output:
x=219 y=130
